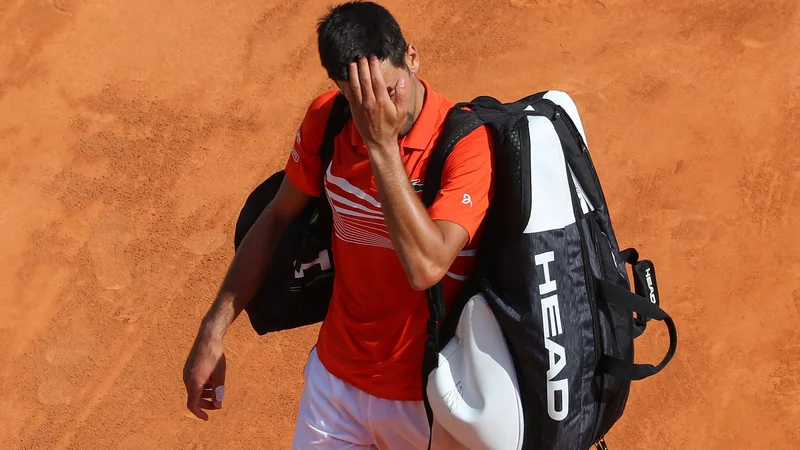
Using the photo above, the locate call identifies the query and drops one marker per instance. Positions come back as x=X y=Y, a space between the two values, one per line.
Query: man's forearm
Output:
x=417 y=239
x=244 y=276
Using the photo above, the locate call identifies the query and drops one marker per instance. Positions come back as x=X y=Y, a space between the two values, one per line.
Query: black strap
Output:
x=338 y=117
x=630 y=255
x=627 y=370
x=436 y=310
x=458 y=124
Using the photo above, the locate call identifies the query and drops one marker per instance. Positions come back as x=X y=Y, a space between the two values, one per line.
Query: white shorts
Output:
x=336 y=415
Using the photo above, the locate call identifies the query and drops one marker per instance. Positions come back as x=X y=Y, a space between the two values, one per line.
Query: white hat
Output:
x=474 y=393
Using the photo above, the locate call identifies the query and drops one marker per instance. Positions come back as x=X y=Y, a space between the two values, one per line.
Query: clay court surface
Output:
x=132 y=131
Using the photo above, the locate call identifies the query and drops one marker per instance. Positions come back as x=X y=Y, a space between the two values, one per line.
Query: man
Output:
x=363 y=385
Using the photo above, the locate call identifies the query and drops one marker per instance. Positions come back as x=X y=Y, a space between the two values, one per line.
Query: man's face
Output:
x=391 y=75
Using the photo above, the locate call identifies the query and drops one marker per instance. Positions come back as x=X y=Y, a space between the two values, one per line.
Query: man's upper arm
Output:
x=304 y=167
x=467 y=186
x=288 y=203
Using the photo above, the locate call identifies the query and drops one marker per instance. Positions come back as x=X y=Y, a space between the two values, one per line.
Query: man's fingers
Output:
x=194 y=403
x=199 y=400
x=218 y=382
x=365 y=80
x=199 y=413
x=207 y=404
x=355 y=86
x=194 y=391
x=378 y=86
x=401 y=98
x=348 y=93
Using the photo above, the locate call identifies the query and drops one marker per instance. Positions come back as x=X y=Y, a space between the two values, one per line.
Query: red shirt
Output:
x=374 y=334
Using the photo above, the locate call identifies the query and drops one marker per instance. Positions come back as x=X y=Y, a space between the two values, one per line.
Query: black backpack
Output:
x=551 y=270
x=298 y=284
x=299 y=281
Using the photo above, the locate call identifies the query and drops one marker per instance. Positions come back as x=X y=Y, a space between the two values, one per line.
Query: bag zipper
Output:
x=586 y=264
x=589 y=278
x=560 y=112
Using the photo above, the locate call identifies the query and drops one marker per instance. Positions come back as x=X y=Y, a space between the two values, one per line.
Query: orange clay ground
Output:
x=132 y=131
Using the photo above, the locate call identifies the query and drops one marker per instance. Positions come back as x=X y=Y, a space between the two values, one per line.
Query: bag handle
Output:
x=627 y=370
x=645 y=285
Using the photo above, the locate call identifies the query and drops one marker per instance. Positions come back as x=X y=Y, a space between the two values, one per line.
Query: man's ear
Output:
x=412 y=59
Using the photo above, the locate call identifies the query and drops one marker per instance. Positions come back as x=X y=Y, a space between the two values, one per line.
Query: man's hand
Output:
x=377 y=116
x=204 y=371
x=204 y=376
x=426 y=248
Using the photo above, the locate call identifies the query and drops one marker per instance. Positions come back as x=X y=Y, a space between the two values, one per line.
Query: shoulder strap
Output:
x=463 y=119
x=459 y=123
x=338 y=117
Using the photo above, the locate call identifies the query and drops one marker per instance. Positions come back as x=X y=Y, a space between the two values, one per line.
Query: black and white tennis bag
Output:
x=550 y=281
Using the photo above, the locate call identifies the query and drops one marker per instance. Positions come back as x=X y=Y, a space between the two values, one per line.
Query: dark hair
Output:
x=358 y=29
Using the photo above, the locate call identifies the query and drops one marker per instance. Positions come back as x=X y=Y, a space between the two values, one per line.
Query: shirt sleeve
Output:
x=304 y=166
x=467 y=185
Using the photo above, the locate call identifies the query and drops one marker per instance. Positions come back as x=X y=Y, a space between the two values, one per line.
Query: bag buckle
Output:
x=601 y=444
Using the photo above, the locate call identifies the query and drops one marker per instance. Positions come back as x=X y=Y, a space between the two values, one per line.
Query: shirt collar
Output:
x=425 y=126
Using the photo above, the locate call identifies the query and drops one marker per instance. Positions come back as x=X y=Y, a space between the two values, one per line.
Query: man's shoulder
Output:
x=312 y=127
x=472 y=155
x=480 y=136
x=319 y=109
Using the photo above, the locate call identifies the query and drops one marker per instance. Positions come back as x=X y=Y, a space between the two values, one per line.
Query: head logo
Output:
x=650 y=286
x=295 y=155
x=551 y=324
